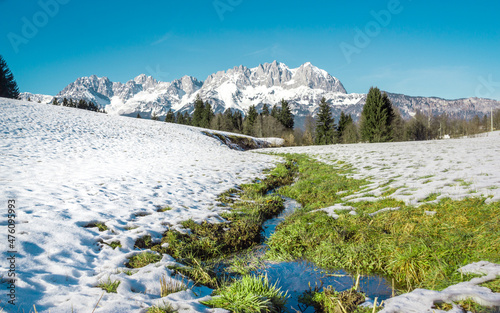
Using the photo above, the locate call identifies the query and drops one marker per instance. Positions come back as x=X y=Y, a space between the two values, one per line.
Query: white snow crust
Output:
x=67 y=167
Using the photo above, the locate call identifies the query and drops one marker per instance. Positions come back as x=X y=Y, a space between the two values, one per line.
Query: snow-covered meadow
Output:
x=454 y=168
x=66 y=168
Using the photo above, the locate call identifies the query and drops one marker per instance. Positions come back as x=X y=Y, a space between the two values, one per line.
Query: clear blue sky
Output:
x=449 y=49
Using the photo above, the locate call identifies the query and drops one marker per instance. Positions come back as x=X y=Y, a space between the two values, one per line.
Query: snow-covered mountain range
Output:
x=240 y=87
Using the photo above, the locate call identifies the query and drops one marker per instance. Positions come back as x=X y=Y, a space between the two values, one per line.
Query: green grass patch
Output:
x=169 y=286
x=202 y=273
x=146 y=242
x=431 y=197
x=143 y=259
x=109 y=286
x=462 y=182
x=166 y=307
x=415 y=249
x=114 y=244
x=319 y=183
x=425 y=177
x=468 y=305
x=493 y=285
x=389 y=192
x=251 y=207
x=249 y=294
x=165 y=209
x=99 y=225
x=331 y=301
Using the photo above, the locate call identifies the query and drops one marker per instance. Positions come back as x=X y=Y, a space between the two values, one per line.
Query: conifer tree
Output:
x=275 y=112
x=344 y=121
x=92 y=107
x=199 y=111
x=265 y=110
x=55 y=102
x=29 y=99
x=138 y=115
x=228 y=124
x=250 y=120
x=179 y=118
x=377 y=116
x=324 y=124
x=187 y=119
x=8 y=85
x=82 y=104
x=208 y=115
x=252 y=115
x=65 y=102
x=238 y=121
x=154 y=117
x=285 y=115
x=170 y=118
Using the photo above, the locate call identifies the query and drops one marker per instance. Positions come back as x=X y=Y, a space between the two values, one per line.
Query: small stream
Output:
x=296 y=276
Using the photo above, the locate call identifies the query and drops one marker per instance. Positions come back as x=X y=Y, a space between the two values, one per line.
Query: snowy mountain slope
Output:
x=236 y=88
x=462 y=108
x=143 y=94
x=66 y=168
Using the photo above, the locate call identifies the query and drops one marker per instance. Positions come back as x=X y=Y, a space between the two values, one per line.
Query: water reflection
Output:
x=296 y=276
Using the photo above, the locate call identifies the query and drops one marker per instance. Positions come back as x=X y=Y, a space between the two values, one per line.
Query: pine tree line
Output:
x=80 y=104
x=276 y=122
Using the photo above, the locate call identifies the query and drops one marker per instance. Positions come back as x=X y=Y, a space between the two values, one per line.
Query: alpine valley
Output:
x=241 y=87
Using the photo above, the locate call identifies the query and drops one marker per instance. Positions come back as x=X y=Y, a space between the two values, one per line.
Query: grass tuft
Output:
x=249 y=294
x=109 y=286
x=165 y=308
x=169 y=286
x=114 y=244
x=143 y=259
x=165 y=209
x=99 y=225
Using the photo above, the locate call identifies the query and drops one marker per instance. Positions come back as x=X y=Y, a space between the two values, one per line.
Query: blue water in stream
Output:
x=295 y=277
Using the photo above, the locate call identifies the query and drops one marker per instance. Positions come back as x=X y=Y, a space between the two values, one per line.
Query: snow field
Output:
x=67 y=167
x=454 y=168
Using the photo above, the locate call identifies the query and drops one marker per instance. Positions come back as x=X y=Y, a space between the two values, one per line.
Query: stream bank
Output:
x=255 y=210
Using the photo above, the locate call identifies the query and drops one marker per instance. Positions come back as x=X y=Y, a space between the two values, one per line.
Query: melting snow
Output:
x=67 y=167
